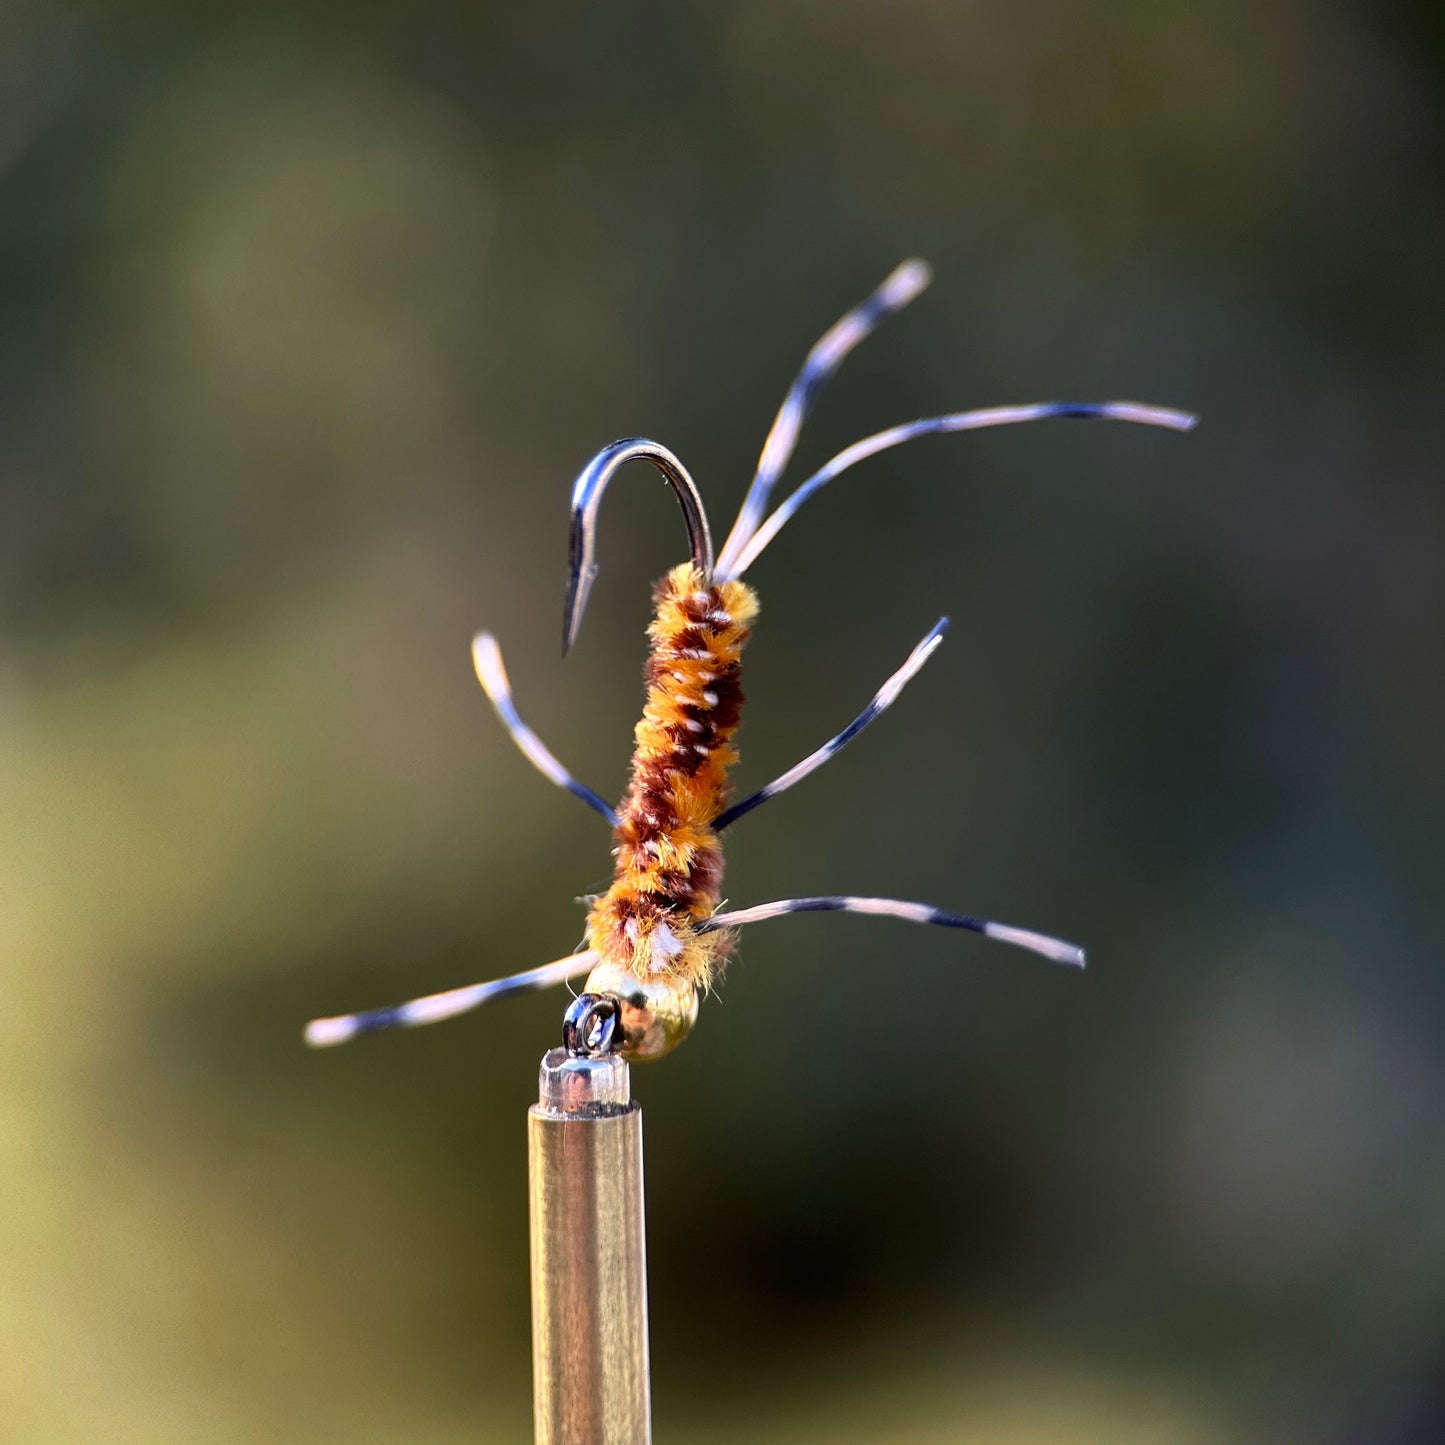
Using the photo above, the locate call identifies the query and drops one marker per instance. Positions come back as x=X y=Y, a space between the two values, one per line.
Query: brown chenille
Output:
x=669 y=858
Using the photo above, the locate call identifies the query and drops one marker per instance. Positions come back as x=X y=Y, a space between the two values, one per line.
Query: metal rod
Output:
x=590 y=1382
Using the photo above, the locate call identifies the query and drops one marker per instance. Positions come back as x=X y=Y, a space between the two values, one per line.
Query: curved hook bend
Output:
x=587 y=498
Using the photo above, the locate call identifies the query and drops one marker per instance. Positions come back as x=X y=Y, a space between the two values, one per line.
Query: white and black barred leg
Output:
x=1056 y=950
x=1129 y=411
x=487 y=659
x=434 y=1007
x=883 y=699
x=900 y=287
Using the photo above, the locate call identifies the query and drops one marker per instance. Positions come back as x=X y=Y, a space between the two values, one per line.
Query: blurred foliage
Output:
x=312 y=312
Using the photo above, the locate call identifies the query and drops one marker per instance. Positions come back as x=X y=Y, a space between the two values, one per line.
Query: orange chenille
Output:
x=669 y=859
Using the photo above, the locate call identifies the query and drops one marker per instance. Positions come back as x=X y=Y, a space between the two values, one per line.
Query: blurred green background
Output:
x=311 y=313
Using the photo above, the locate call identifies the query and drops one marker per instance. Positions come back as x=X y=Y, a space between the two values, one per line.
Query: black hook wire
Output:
x=589 y=1027
x=587 y=498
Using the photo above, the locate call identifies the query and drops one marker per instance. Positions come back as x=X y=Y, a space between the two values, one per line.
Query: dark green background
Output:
x=309 y=314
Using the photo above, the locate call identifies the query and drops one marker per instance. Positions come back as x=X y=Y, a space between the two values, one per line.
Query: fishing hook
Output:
x=587 y=498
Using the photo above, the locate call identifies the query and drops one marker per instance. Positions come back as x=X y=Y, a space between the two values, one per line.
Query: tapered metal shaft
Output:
x=590 y=1383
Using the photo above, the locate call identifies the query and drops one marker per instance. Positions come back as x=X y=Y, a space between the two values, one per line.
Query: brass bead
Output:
x=655 y=1015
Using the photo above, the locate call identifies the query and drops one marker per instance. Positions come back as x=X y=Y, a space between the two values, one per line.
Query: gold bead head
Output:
x=654 y=1014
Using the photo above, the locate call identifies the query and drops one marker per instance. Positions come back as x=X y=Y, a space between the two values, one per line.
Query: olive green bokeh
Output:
x=311 y=314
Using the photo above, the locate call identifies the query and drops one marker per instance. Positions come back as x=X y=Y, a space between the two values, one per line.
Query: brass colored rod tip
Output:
x=592 y=1086
x=590 y=1383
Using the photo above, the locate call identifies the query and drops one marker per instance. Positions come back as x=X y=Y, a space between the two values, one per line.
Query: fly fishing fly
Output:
x=657 y=939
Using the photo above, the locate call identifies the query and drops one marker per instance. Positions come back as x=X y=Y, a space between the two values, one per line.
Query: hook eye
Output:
x=587 y=500
x=589 y=1025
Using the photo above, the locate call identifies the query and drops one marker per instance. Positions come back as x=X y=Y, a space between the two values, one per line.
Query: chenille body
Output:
x=669 y=856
